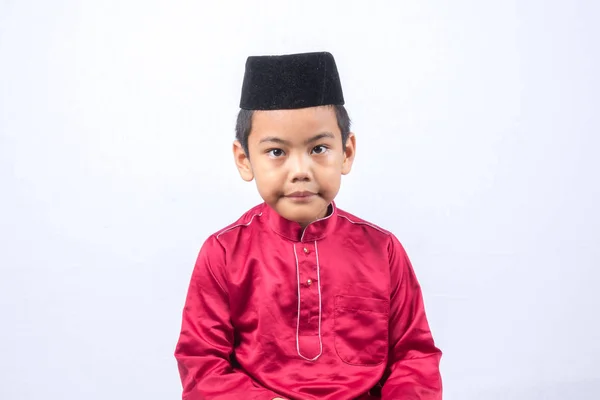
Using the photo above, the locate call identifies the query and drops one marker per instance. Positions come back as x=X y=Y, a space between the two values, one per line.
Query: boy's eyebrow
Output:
x=275 y=139
x=320 y=136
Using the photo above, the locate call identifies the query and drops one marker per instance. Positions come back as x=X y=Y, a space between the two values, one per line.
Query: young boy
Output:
x=299 y=299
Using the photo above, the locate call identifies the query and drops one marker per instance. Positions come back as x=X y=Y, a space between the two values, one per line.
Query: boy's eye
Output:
x=275 y=153
x=319 y=149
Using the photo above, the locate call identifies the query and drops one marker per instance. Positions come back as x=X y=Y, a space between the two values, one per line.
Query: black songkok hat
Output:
x=291 y=81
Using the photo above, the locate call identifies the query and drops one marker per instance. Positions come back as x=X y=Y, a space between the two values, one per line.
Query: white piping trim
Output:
x=364 y=223
x=238 y=225
x=320 y=306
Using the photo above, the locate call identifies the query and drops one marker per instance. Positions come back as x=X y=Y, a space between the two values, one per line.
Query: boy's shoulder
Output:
x=376 y=235
x=348 y=221
x=245 y=220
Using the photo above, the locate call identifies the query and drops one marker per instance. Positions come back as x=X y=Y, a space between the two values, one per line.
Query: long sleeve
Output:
x=206 y=342
x=413 y=366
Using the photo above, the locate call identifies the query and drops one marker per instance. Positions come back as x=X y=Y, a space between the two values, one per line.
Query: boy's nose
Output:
x=300 y=168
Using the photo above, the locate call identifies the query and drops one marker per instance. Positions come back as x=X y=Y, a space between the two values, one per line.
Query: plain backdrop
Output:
x=477 y=125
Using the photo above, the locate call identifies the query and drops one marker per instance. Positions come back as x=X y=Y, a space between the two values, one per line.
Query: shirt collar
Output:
x=291 y=230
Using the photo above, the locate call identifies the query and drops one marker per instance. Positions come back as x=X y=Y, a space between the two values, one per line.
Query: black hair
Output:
x=243 y=125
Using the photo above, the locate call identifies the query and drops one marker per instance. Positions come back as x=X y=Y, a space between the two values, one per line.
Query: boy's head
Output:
x=293 y=133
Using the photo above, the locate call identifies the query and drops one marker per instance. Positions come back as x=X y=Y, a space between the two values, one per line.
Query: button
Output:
x=309 y=282
x=306 y=251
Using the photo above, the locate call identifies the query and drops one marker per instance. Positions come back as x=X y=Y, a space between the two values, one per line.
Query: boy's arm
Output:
x=413 y=367
x=207 y=336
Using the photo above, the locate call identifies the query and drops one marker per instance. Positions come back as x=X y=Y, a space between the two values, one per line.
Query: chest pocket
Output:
x=361 y=329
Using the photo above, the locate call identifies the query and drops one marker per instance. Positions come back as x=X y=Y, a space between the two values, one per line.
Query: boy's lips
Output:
x=300 y=194
x=303 y=195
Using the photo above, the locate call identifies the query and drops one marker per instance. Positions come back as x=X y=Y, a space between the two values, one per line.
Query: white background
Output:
x=477 y=126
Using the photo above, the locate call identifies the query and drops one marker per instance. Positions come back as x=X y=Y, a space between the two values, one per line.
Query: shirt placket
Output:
x=309 y=339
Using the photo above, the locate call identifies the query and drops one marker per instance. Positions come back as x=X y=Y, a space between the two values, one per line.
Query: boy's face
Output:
x=297 y=159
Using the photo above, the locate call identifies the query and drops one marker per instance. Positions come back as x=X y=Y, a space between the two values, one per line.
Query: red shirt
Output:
x=333 y=311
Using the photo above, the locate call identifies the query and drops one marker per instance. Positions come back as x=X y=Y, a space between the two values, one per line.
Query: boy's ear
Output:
x=349 y=153
x=242 y=162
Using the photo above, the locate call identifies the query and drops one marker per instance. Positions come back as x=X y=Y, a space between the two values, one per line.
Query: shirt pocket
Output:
x=361 y=329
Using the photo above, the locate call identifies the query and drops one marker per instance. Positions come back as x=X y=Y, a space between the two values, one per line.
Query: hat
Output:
x=291 y=81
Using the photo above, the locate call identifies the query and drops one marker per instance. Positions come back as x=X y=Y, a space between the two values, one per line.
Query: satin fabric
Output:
x=332 y=311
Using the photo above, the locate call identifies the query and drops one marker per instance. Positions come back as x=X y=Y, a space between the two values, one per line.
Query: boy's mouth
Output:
x=300 y=196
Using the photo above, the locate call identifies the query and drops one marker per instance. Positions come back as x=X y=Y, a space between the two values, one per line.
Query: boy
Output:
x=299 y=299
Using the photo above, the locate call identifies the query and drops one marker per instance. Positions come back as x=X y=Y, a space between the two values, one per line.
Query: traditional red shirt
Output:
x=332 y=311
